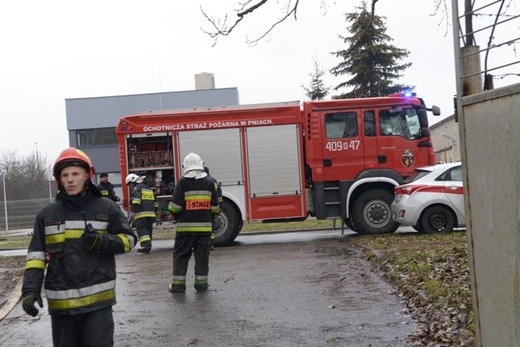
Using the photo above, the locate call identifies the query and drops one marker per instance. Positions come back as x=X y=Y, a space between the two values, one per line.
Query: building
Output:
x=91 y=121
x=445 y=139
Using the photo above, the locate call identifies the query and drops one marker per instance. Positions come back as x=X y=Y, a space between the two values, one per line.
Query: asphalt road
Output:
x=287 y=289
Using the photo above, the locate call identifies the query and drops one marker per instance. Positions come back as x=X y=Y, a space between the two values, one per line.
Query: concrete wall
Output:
x=490 y=134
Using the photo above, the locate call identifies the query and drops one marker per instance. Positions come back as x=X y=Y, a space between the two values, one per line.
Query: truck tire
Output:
x=371 y=212
x=349 y=224
x=227 y=225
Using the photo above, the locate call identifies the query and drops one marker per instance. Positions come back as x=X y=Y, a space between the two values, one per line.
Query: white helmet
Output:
x=131 y=178
x=192 y=162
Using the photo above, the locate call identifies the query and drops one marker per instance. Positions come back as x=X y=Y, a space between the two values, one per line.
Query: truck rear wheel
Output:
x=227 y=225
x=371 y=212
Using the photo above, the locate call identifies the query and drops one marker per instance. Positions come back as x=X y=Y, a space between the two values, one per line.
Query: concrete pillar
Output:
x=471 y=71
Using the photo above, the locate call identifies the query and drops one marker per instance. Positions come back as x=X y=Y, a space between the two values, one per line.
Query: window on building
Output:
x=341 y=125
x=96 y=137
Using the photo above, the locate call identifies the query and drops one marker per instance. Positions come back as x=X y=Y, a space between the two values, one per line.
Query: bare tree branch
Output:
x=289 y=12
x=442 y=7
x=222 y=28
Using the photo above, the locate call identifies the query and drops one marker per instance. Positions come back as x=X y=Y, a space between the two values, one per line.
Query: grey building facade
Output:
x=445 y=139
x=91 y=121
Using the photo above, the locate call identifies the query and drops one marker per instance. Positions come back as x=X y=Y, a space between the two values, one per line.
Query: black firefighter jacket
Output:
x=143 y=202
x=76 y=281
x=194 y=203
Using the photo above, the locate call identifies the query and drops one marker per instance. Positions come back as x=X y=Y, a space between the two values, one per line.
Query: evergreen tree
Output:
x=317 y=89
x=370 y=59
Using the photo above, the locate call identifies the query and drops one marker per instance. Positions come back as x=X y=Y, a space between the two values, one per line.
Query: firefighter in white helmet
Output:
x=142 y=209
x=194 y=203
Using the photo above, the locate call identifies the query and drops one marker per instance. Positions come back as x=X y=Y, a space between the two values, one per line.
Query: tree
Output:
x=25 y=177
x=317 y=89
x=370 y=59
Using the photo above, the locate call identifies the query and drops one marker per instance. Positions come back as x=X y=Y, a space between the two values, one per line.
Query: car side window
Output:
x=454 y=174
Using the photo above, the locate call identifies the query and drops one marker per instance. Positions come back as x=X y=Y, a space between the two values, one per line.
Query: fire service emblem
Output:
x=407 y=158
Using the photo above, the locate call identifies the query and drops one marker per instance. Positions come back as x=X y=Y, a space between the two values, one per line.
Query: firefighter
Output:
x=72 y=248
x=219 y=195
x=193 y=205
x=106 y=188
x=142 y=210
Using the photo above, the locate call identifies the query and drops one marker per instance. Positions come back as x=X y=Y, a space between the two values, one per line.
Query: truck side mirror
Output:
x=436 y=110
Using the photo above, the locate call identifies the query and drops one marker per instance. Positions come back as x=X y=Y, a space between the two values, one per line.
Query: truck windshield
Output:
x=401 y=122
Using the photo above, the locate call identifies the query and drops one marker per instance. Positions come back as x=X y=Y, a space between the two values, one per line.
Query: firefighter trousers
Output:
x=144 y=227
x=183 y=247
x=94 y=328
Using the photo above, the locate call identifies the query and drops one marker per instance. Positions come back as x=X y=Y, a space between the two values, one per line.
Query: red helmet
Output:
x=72 y=157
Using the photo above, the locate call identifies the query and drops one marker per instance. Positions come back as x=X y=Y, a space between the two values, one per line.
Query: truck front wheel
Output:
x=227 y=225
x=371 y=212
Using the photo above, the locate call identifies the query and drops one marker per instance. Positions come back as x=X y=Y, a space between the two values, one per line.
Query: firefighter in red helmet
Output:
x=72 y=249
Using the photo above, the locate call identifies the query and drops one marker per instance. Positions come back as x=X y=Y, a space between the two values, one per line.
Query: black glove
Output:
x=28 y=300
x=93 y=240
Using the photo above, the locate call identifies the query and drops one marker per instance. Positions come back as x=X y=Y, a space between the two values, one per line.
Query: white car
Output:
x=432 y=200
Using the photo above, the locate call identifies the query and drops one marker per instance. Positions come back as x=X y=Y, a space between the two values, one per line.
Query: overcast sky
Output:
x=60 y=49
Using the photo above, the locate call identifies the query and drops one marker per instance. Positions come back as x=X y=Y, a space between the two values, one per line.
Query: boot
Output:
x=146 y=247
x=176 y=288
x=201 y=287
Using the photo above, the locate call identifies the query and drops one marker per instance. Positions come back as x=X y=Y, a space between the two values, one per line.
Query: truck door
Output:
x=369 y=139
x=342 y=146
x=398 y=140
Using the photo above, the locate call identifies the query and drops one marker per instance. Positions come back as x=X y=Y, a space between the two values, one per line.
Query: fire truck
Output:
x=336 y=159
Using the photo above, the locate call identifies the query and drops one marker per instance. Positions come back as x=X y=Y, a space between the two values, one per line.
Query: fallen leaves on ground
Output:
x=430 y=271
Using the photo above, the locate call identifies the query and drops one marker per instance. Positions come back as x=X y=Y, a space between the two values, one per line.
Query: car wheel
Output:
x=437 y=219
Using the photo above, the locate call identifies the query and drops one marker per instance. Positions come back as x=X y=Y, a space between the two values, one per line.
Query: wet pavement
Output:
x=287 y=289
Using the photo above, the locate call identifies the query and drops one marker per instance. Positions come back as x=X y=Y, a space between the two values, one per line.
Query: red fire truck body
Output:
x=287 y=161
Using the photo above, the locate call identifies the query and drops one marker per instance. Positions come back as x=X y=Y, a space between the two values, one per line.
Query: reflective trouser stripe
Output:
x=201 y=280
x=144 y=238
x=179 y=280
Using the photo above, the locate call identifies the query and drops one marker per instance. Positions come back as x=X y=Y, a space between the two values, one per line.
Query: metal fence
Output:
x=20 y=213
x=485 y=39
